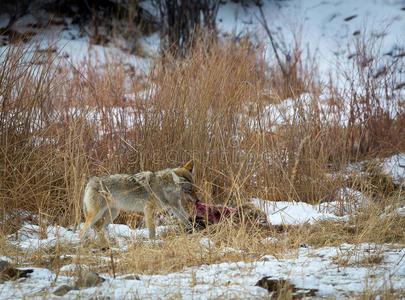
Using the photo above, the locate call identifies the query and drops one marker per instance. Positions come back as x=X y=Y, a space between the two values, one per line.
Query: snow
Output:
x=73 y=47
x=394 y=166
x=32 y=237
x=340 y=272
x=307 y=268
x=289 y=110
x=329 y=30
x=292 y=213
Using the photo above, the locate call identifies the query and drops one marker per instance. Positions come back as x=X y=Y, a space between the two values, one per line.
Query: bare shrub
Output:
x=375 y=104
x=61 y=125
x=182 y=22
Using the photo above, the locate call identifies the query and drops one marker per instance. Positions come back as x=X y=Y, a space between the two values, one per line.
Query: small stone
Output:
x=89 y=280
x=4 y=265
x=350 y=18
x=62 y=290
x=8 y=272
x=131 y=277
x=282 y=288
x=100 y=298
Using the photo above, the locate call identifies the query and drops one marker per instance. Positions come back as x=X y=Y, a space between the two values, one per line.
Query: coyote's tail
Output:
x=88 y=193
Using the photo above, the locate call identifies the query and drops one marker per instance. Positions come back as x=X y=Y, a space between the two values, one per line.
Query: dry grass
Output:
x=59 y=126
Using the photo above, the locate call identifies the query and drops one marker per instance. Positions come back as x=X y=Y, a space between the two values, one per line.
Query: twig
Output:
x=112 y=262
x=263 y=22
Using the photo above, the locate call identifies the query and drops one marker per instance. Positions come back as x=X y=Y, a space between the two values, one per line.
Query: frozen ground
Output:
x=306 y=268
x=327 y=28
x=339 y=272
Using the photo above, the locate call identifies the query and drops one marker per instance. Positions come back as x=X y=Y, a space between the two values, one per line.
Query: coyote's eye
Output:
x=187 y=188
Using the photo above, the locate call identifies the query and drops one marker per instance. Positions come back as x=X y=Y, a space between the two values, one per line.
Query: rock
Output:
x=131 y=277
x=274 y=285
x=100 y=298
x=4 y=265
x=282 y=288
x=89 y=280
x=350 y=18
x=62 y=290
x=8 y=272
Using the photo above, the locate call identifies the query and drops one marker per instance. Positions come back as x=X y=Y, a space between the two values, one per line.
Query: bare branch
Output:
x=263 y=22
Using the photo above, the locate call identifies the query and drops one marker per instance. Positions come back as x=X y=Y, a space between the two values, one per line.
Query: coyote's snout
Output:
x=141 y=192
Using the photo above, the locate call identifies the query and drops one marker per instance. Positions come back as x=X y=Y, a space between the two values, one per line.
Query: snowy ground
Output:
x=339 y=272
x=326 y=28
x=306 y=268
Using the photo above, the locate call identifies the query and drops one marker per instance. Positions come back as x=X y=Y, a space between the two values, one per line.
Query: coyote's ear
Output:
x=189 y=166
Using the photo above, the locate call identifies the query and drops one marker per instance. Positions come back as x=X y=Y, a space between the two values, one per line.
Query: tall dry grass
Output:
x=60 y=125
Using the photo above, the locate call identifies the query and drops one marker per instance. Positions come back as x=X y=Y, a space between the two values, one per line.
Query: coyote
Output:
x=142 y=192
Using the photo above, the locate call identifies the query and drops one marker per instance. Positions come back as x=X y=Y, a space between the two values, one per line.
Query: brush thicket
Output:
x=60 y=125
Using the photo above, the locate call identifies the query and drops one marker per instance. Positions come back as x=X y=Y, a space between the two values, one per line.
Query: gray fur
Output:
x=141 y=192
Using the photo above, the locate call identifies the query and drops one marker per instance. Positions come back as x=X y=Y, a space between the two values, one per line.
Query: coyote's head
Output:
x=183 y=176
